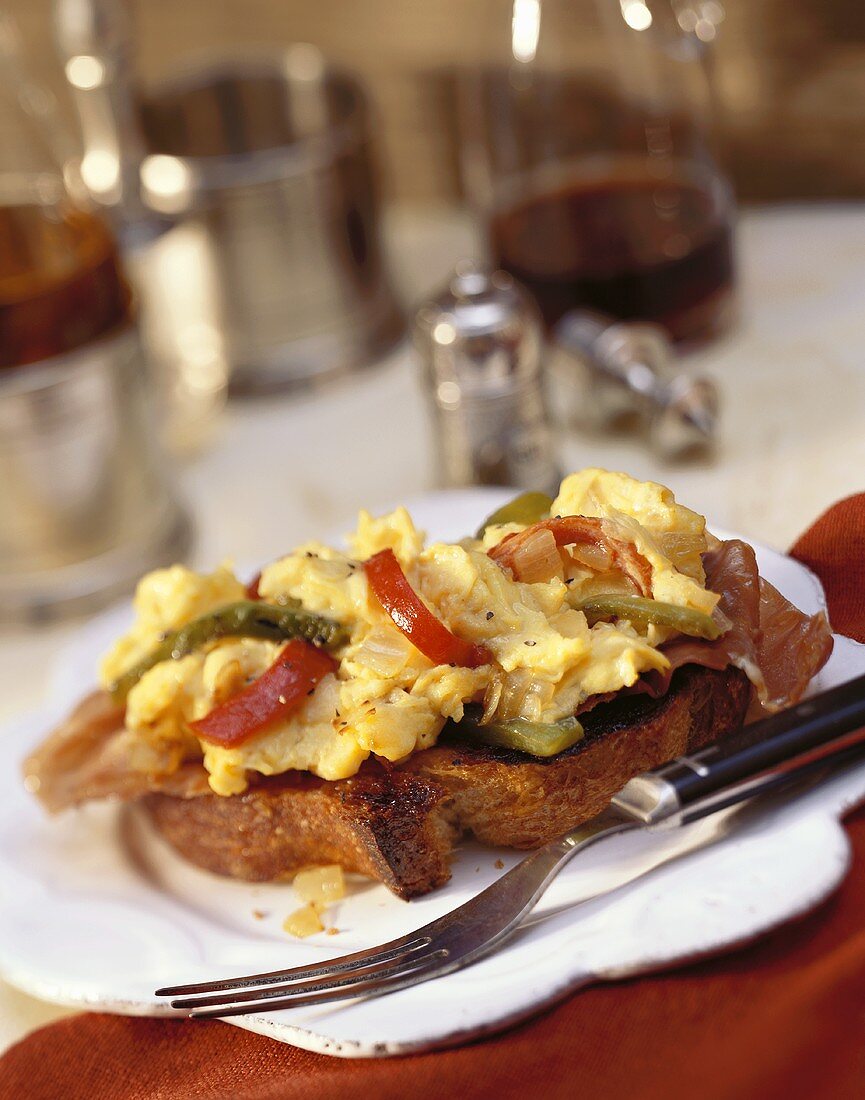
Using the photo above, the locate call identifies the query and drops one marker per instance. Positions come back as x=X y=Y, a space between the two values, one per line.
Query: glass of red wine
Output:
x=587 y=151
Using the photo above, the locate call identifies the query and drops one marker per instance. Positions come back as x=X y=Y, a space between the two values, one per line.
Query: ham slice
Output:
x=91 y=755
x=776 y=645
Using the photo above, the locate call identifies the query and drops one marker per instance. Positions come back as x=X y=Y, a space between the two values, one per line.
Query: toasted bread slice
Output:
x=399 y=824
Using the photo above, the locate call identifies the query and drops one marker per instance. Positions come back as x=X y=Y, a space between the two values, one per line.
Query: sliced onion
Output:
x=514 y=690
x=384 y=650
x=538 y=697
x=303 y=922
x=597 y=558
x=320 y=885
x=681 y=548
x=538 y=559
x=492 y=695
x=516 y=694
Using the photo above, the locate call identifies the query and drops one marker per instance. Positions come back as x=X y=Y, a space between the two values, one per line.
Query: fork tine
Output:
x=343 y=980
x=429 y=966
x=381 y=954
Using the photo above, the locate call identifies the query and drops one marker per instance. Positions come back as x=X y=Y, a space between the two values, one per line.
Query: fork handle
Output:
x=772 y=746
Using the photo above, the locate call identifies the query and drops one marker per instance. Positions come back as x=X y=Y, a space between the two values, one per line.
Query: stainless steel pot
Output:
x=273 y=160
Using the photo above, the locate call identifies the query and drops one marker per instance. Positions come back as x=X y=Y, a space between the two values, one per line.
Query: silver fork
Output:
x=778 y=755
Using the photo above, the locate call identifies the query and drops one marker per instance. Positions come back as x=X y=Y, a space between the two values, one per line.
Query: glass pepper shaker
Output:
x=480 y=341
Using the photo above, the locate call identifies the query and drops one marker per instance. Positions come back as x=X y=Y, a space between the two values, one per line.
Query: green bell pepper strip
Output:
x=526 y=509
x=639 y=609
x=536 y=738
x=245 y=619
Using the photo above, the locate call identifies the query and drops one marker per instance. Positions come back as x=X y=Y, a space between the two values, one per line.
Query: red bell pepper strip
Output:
x=579 y=530
x=252 y=592
x=292 y=676
x=411 y=615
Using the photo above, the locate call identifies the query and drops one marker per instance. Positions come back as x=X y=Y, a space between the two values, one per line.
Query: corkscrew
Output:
x=603 y=372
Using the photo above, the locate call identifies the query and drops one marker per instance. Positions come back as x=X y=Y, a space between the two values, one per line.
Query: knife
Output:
x=763 y=756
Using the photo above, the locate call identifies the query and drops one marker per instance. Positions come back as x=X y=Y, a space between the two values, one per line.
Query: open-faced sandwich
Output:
x=368 y=706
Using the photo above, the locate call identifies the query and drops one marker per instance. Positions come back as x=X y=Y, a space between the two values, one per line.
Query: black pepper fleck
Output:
x=530 y=643
x=490 y=615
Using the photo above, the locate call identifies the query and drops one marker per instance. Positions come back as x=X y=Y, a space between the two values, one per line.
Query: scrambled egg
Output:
x=386 y=697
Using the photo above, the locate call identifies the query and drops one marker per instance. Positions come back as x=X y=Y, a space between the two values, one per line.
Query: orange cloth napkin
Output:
x=784 y=1017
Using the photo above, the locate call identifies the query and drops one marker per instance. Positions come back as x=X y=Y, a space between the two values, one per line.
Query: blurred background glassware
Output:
x=96 y=43
x=271 y=159
x=588 y=153
x=84 y=500
x=85 y=504
x=167 y=261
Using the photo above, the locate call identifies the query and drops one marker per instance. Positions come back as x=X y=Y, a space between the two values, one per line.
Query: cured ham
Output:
x=776 y=645
x=91 y=755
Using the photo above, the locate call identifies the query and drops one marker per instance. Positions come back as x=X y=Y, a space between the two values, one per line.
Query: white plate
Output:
x=97 y=912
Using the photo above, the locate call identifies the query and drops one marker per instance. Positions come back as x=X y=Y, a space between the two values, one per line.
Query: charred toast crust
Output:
x=399 y=824
x=379 y=823
x=517 y=801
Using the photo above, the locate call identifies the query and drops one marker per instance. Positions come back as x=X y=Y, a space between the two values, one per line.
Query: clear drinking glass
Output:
x=86 y=503
x=587 y=149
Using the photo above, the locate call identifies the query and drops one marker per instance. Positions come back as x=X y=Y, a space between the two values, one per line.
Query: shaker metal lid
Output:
x=482 y=332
